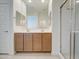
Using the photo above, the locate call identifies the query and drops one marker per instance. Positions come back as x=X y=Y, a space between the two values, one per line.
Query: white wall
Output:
x=56 y=25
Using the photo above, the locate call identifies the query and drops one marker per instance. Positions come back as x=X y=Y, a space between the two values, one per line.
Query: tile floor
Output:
x=29 y=56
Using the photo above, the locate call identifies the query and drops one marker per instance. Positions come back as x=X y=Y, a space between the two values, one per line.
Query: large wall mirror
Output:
x=37 y=14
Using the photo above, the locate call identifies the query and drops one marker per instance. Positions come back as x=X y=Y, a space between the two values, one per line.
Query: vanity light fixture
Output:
x=30 y=1
x=77 y=1
x=42 y=1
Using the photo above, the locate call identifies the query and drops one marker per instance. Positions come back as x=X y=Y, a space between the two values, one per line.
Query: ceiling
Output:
x=37 y=5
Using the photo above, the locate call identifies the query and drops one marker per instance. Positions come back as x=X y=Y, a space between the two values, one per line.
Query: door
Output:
x=4 y=28
x=46 y=41
x=37 y=43
x=27 y=41
x=18 y=41
x=66 y=29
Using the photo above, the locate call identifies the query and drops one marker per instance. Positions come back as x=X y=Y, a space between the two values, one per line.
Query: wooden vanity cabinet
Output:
x=46 y=39
x=33 y=42
x=27 y=41
x=37 y=42
x=18 y=41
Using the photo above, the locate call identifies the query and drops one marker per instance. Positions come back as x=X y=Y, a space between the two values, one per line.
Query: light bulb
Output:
x=30 y=1
x=42 y=1
x=77 y=1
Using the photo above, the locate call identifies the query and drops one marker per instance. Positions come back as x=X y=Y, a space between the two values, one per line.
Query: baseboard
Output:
x=61 y=56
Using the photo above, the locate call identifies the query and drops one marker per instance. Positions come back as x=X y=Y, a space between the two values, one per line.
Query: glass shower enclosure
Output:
x=65 y=29
x=69 y=29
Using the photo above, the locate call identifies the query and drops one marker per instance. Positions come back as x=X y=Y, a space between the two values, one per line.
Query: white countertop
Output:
x=32 y=32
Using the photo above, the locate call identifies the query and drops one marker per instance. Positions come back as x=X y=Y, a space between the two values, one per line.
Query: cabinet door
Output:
x=46 y=37
x=36 y=41
x=27 y=42
x=18 y=41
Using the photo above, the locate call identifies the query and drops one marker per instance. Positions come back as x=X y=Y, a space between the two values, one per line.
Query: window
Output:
x=32 y=22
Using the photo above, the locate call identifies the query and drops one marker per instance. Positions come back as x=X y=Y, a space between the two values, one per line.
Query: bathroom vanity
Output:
x=33 y=42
